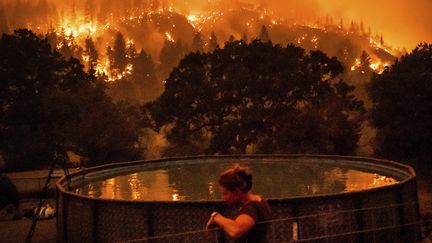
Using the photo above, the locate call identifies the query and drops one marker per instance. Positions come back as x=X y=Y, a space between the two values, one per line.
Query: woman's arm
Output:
x=234 y=228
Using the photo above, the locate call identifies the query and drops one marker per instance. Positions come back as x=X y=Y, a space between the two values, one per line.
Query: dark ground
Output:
x=15 y=231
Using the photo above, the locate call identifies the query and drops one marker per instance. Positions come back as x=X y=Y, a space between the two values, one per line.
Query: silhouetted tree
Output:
x=91 y=52
x=170 y=55
x=377 y=36
x=281 y=100
x=68 y=47
x=139 y=87
x=119 y=53
x=167 y=58
x=145 y=73
x=197 y=42
x=365 y=62
x=231 y=38
x=402 y=97
x=213 y=42
x=53 y=38
x=381 y=40
x=65 y=49
x=360 y=77
x=49 y=106
x=110 y=55
x=245 y=38
x=264 y=35
x=353 y=27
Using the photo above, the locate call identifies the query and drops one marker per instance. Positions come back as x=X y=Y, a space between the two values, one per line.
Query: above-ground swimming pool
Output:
x=198 y=180
x=324 y=198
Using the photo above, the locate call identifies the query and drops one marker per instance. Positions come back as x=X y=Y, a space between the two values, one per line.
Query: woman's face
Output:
x=230 y=197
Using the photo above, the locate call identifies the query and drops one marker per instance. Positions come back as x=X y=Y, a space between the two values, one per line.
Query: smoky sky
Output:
x=403 y=23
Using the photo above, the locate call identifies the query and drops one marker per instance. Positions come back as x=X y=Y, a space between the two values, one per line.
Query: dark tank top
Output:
x=260 y=211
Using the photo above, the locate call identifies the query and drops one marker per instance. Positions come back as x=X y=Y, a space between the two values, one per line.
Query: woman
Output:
x=235 y=185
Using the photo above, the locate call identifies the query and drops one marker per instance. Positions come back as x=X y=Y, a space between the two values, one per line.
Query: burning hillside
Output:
x=168 y=28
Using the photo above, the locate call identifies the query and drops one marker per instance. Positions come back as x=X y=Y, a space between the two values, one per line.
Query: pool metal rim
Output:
x=405 y=169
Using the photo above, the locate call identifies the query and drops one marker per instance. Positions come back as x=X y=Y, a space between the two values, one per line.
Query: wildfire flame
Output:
x=376 y=65
x=169 y=37
x=77 y=27
x=192 y=18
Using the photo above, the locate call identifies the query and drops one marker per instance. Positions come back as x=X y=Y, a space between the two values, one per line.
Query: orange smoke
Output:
x=402 y=23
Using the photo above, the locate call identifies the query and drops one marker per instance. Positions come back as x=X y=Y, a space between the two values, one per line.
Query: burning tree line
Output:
x=244 y=98
x=133 y=76
x=135 y=44
x=150 y=23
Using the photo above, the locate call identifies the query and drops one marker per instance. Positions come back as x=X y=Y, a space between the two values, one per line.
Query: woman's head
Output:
x=235 y=183
x=236 y=178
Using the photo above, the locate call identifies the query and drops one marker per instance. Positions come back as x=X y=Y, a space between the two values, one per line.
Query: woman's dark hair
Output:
x=236 y=178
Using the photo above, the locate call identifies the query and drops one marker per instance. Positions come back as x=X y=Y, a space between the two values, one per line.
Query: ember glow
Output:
x=169 y=37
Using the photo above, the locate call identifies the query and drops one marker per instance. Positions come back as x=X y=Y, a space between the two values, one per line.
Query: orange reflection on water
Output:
x=200 y=183
x=360 y=180
x=108 y=189
x=356 y=180
x=136 y=186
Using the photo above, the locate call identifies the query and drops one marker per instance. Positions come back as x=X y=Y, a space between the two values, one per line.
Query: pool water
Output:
x=272 y=179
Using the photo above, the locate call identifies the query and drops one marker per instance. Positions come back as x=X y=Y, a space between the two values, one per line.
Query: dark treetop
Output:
x=271 y=98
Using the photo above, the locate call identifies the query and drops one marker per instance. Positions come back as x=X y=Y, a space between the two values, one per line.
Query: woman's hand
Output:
x=212 y=227
x=211 y=224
